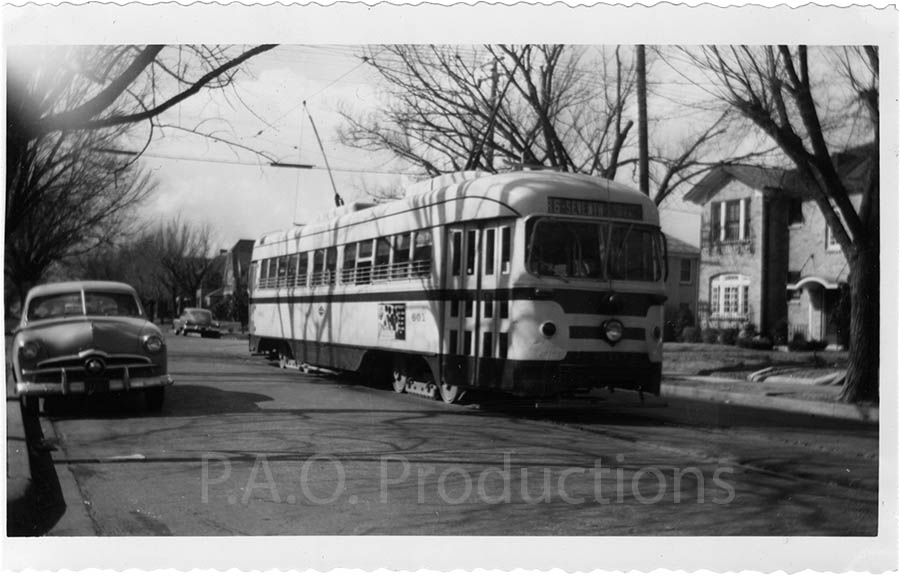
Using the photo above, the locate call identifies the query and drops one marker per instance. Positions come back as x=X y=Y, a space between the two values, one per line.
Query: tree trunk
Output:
x=861 y=383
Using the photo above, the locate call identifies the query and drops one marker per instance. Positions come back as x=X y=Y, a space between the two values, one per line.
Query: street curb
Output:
x=811 y=407
x=76 y=520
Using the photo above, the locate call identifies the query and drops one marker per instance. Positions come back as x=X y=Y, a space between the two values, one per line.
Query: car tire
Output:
x=154 y=399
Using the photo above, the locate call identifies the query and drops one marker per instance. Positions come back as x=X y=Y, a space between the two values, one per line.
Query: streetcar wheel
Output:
x=450 y=394
x=399 y=382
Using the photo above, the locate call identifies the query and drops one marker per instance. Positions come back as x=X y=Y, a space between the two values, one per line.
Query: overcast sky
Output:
x=242 y=197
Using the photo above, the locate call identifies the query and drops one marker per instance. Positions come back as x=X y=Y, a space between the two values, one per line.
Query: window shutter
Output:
x=714 y=222
x=746 y=213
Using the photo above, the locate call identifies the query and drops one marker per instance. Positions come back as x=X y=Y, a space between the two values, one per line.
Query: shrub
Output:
x=755 y=343
x=709 y=335
x=690 y=334
x=728 y=336
x=779 y=332
x=803 y=345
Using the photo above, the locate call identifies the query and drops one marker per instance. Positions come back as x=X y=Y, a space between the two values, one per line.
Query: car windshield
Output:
x=598 y=250
x=111 y=304
x=55 y=306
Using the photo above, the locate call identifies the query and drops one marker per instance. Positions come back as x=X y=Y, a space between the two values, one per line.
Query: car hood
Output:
x=67 y=336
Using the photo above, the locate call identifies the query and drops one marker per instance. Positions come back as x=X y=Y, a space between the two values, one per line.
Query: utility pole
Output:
x=643 y=152
x=489 y=153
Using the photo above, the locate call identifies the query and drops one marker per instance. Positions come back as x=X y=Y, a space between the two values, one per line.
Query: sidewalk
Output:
x=805 y=395
x=18 y=471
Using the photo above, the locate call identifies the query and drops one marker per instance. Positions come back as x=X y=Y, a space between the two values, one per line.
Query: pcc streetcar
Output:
x=533 y=283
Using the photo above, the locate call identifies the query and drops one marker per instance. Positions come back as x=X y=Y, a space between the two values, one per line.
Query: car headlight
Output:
x=30 y=350
x=153 y=344
x=613 y=331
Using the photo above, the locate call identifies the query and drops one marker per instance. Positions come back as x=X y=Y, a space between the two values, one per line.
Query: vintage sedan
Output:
x=84 y=338
x=198 y=321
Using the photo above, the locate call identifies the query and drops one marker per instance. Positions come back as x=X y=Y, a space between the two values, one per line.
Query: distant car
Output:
x=85 y=338
x=199 y=321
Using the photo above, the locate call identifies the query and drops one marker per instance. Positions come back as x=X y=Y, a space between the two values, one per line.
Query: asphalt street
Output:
x=245 y=448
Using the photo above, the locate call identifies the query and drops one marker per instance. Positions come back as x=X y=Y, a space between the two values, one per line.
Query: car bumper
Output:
x=95 y=386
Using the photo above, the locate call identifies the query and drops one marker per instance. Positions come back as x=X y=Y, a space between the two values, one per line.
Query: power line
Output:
x=279 y=164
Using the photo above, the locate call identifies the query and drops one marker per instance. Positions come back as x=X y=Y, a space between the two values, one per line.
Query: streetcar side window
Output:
x=292 y=269
x=348 y=268
x=254 y=266
x=263 y=273
x=400 y=266
x=422 y=249
x=456 y=247
x=490 y=238
x=273 y=272
x=382 y=259
x=282 y=271
x=318 y=274
x=330 y=265
x=303 y=269
x=505 y=249
x=471 y=246
x=364 y=263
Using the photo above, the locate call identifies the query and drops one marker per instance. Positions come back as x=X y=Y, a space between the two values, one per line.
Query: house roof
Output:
x=677 y=246
x=755 y=177
x=853 y=165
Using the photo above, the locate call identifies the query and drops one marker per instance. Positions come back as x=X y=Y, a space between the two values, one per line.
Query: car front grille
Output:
x=75 y=369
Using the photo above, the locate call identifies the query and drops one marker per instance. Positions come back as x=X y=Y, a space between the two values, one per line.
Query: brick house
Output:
x=681 y=286
x=230 y=274
x=767 y=257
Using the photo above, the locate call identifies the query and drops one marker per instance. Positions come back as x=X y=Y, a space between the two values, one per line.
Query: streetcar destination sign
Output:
x=594 y=208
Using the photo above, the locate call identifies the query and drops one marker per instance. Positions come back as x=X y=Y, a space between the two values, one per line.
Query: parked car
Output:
x=199 y=321
x=86 y=338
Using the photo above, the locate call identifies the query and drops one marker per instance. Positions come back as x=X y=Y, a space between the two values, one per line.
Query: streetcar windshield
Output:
x=598 y=250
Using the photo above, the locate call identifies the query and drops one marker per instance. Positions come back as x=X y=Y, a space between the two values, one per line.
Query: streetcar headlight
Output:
x=153 y=344
x=613 y=331
x=30 y=350
x=548 y=329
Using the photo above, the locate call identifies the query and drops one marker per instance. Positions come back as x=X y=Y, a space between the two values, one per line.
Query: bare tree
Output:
x=569 y=108
x=794 y=96
x=67 y=110
x=184 y=255
x=132 y=260
x=467 y=108
x=63 y=200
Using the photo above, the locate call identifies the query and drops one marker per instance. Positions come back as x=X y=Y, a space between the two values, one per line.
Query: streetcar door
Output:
x=461 y=321
x=492 y=302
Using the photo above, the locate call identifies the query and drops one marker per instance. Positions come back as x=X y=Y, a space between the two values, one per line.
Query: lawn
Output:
x=736 y=362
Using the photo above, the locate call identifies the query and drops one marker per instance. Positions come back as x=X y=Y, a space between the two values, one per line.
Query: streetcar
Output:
x=534 y=283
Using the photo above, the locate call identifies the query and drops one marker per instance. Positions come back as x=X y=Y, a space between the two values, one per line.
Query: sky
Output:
x=239 y=195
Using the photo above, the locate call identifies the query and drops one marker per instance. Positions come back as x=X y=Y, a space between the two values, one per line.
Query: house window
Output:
x=831 y=243
x=685 y=273
x=730 y=221
x=730 y=296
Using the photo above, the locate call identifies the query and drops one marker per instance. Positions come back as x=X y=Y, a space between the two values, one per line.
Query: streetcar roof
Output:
x=475 y=196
